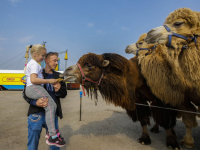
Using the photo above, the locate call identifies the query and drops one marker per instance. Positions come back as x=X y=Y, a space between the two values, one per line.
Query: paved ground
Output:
x=103 y=127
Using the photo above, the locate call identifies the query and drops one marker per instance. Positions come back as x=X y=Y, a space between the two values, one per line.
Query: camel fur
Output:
x=154 y=66
x=165 y=84
x=123 y=85
x=156 y=69
x=161 y=53
x=134 y=49
x=185 y=61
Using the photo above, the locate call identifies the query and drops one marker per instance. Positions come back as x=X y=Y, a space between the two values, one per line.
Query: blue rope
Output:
x=179 y=36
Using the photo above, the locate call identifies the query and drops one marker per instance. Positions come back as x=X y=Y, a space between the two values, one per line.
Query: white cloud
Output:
x=116 y=22
x=2 y=38
x=14 y=1
x=25 y=39
x=90 y=25
x=101 y=32
x=1 y=50
x=123 y=28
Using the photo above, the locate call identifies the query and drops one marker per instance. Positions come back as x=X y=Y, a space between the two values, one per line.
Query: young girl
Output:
x=35 y=90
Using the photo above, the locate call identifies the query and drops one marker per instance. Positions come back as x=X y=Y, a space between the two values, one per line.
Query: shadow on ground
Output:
x=120 y=123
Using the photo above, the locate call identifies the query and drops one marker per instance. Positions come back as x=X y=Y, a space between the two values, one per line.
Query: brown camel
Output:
x=180 y=34
x=120 y=83
x=142 y=49
x=139 y=49
x=153 y=67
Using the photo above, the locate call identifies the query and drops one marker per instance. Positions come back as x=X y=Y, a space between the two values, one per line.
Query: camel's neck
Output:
x=118 y=87
x=187 y=62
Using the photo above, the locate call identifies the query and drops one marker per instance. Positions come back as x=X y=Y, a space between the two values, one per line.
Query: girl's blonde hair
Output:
x=34 y=49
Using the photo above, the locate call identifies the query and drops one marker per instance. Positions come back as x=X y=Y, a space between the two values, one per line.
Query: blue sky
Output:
x=81 y=26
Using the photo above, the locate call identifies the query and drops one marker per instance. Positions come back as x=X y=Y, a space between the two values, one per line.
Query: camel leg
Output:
x=155 y=128
x=147 y=93
x=144 y=120
x=166 y=119
x=171 y=141
x=173 y=132
x=142 y=114
x=145 y=138
x=188 y=140
x=190 y=122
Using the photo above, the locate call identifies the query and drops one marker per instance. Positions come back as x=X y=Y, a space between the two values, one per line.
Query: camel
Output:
x=175 y=63
x=180 y=34
x=171 y=90
x=142 y=49
x=120 y=82
x=139 y=48
x=133 y=48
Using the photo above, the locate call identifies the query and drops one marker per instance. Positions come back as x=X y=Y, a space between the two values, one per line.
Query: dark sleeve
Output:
x=33 y=102
x=24 y=95
x=28 y=100
x=63 y=90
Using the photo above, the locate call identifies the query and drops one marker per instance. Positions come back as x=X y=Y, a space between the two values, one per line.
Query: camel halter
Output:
x=152 y=48
x=193 y=38
x=85 y=78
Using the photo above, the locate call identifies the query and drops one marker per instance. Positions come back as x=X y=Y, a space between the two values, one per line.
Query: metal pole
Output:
x=66 y=62
x=80 y=102
x=44 y=43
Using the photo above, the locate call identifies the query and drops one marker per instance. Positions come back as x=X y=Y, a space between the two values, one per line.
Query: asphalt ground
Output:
x=103 y=127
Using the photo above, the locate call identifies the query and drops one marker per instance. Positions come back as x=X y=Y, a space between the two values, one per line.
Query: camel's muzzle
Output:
x=154 y=35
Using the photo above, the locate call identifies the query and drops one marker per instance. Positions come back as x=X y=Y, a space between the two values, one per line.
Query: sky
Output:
x=79 y=26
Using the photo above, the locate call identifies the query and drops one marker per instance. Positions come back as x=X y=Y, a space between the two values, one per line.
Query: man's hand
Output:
x=57 y=87
x=42 y=102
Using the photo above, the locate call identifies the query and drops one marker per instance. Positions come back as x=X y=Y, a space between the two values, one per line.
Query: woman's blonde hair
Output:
x=34 y=49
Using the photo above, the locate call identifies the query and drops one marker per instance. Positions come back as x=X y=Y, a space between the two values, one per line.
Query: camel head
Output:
x=182 y=21
x=133 y=48
x=94 y=65
x=140 y=47
x=91 y=65
x=112 y=73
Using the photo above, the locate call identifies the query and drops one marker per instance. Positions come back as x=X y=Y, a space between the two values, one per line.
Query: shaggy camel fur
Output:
x=177 y=64
x=123 y=85
x=156 y=69
x=135 y=49
x=171 y=85
x=167 y=89
x=184 y=60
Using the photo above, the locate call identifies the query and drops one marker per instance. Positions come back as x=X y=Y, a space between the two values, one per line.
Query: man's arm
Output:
x=63 y=90
x=40 y=102
x=60 y=89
